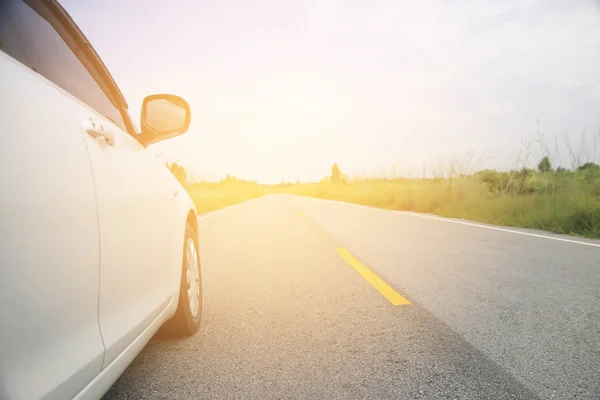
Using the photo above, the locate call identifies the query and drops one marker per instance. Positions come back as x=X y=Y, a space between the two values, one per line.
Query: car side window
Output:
x=31 y=39
x=9 y=41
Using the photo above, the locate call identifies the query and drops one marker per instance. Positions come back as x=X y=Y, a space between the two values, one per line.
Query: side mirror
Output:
x=164 y=116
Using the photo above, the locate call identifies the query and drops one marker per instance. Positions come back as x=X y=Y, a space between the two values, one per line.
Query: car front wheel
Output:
x=186 y=320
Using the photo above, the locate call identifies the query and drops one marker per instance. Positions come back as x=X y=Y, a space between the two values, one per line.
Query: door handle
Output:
x=98 y=132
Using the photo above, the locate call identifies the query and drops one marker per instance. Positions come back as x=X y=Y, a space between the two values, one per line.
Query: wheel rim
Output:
x=192 y=277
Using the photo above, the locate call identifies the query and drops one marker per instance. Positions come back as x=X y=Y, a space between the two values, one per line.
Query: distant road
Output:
x=314 y=299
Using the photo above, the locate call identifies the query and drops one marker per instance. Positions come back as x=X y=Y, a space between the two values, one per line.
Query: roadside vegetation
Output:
x=210 y=196
x=561 y=200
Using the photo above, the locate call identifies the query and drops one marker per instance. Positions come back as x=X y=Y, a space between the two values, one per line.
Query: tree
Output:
x=589 y=171
x=336 y=173
x=545 y=165
x=588 y=166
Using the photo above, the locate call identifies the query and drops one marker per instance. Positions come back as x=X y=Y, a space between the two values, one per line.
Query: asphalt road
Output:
x=493 y=314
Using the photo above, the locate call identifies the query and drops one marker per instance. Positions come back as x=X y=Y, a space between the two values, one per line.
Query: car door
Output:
x=50 y=341
x=140 y=233
x=140 y=224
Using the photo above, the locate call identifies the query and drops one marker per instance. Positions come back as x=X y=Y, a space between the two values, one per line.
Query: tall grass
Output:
x=562 y=200
x=210 y=196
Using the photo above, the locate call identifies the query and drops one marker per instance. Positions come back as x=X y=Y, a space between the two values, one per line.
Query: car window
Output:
x=31 y=39
x=9 y=40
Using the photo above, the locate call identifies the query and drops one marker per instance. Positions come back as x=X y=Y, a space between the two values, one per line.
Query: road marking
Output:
x=494 y=228
x=375 y=281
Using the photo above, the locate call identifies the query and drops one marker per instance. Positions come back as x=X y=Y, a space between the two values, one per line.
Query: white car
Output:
x=99 y=242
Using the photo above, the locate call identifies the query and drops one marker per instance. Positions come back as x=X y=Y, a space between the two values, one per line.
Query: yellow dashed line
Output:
x=375 y=281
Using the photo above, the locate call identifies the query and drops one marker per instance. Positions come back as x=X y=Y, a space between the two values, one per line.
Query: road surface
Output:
x=308 y=298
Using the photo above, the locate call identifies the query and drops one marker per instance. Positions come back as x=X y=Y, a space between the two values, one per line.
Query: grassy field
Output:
x=210 y=196
x=563 y=202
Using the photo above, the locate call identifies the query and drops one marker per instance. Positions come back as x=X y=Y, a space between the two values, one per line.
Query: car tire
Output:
x=186 y=320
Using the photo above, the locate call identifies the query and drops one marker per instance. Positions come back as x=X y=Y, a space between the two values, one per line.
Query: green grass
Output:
x=209 y=196
x=566 y=202
x=563 y=201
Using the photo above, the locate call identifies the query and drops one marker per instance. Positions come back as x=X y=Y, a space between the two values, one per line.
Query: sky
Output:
x=280 y=90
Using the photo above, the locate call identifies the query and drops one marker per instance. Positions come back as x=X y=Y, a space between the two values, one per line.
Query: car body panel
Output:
x=50 y=342
x=104 y=380
x=139 y=235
